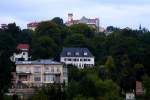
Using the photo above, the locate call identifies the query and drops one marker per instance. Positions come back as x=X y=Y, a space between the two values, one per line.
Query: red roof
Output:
x=23 y=46
x=33 y=24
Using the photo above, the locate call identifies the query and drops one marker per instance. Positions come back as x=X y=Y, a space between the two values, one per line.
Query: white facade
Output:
x=80 y=62
x=130 y=96
x=22 y=55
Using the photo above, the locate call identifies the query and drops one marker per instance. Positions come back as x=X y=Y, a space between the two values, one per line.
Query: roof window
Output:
x=77 y=53
x=85 y=53
x=68 y=53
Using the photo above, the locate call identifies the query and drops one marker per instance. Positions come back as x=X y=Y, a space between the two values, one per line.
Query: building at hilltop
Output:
x=32 y=26
x=94 y=23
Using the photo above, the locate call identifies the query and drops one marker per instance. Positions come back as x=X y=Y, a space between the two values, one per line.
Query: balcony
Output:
x=52 y=72
x=23 y=73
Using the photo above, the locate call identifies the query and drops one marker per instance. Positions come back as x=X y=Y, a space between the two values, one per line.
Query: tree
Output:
x=75 y=40
x=90 y=87
x=14 y=31
x=83 y=29
x=25 y=36
x=72 y=89
x=58 y=21
x=79 y=97
x=98 y=48
x=127 y=81
x=50 y=29
x=43 y=48
x=50 y=92
x=112 y=29
x=139 y=71
x=7 y=47
x=146 y=84
x=110 y=68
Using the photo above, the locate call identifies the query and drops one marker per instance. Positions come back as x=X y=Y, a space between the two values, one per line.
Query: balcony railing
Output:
x=50 y=72
x=24 y=73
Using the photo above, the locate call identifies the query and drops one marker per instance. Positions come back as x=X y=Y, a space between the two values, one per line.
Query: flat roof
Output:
x=39 y=62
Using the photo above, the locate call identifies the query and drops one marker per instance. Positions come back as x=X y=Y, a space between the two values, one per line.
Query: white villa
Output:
x=79 y=57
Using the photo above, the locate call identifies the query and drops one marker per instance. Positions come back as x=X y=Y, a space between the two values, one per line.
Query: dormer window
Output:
x=68 y=53
x=85 y=53
x=77 y=53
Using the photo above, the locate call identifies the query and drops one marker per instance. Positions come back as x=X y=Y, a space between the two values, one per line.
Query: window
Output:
x=68 y=53
x=65 y=59
x=23 y=77
x=37 y=69
x=49 y=78
x=77 y=53
x=89 y=59
x=16 y=59
x=65 y=74
x=85 y=53
x=46 y=69
x=58 y=70
x=52 y=69
x=81 y=59
x=74 y=60
x=37 y=78
x=85 y=59
x=69 y=59
x=24 y=53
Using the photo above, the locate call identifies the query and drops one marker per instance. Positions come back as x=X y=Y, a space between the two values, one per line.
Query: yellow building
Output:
x=39 y=72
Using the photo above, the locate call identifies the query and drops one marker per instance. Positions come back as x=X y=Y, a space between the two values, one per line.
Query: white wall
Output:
x=20 y=55
x=79 y=64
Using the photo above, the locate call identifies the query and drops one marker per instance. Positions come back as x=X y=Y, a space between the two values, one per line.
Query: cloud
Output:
x=9 y=19
x=121 y=13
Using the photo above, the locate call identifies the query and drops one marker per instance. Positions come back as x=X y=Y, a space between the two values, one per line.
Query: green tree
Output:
x=110 y=68
x=25 y=36
x=50 y=92
x=128 y=78
x=58 y=21
x=75 y=40
x=139 y=71
x=7 y=47
x=79 y=97
x=50 y=29
x=83 y=29
x=43 y=47
x=146 y=84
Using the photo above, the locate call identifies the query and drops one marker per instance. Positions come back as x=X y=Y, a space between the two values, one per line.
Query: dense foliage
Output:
x=122 y=57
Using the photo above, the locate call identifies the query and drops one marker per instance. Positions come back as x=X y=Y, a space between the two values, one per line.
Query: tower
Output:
x=140 y=27
x=70 y=17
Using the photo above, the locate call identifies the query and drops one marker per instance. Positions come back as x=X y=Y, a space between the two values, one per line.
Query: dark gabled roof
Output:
x=73 y=52
x=39 y=62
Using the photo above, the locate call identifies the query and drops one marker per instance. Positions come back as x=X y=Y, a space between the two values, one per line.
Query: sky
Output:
x=118 y=13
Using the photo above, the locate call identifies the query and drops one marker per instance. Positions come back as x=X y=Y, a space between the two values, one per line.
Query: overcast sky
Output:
x=120 y=13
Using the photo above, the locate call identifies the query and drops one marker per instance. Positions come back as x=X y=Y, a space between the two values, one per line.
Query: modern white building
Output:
x=39 y=72
x=79 y=57
x=22 y=53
